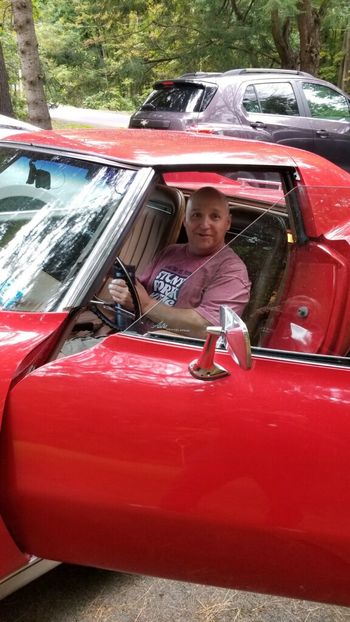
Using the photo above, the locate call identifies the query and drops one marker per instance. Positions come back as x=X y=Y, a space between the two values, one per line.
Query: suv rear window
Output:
x=179 y=97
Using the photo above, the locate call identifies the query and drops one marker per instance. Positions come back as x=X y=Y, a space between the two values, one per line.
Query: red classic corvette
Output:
x=225 y=462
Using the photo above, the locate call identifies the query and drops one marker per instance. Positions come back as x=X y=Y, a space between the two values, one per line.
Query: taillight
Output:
x=201 y=130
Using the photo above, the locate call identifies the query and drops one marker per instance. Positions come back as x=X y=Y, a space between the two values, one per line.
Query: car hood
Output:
x=25 y=342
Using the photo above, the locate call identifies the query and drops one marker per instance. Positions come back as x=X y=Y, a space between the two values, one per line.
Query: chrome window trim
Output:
x=284 y=356
x=306 y=358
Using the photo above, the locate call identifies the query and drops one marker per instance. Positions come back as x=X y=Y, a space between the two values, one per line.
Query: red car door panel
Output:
x=24 y=342
x=21 y=335
x=118 y=457
x=11 y=559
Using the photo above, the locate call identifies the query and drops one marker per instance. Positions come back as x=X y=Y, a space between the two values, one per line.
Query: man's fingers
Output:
x=120 y=293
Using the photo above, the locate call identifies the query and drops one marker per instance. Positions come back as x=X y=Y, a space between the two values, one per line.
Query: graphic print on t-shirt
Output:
x=166 y=286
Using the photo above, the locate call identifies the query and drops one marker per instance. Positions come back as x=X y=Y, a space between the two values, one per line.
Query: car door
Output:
x=118 y=457
x=330 y=120
x=276 y=108
x=157 y=454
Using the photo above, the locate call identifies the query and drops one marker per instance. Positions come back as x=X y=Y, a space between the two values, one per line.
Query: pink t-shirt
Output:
x=178 y=278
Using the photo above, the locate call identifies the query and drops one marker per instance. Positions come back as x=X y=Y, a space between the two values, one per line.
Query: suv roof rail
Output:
x=294 y=72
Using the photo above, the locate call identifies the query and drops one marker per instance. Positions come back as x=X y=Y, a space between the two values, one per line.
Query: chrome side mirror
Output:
x=237 y=337
x=234 y=330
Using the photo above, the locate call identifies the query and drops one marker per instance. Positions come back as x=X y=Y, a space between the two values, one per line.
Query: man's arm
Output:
x=186 y=322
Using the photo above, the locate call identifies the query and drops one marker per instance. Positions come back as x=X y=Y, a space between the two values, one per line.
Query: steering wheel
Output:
x=135 y=316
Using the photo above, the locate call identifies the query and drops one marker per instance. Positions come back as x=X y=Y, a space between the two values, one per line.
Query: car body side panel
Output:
x=118 y=457
x=311 y=317
x=324 y=198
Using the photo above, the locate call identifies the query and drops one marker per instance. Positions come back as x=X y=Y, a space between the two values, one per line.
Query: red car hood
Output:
x=21 y=335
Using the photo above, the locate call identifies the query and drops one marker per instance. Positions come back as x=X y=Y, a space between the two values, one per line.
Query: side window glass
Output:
x=208 y=95
x=277 y=98
x=256 y=245
x=223 y=109
x=250 y=100
x=325 y=103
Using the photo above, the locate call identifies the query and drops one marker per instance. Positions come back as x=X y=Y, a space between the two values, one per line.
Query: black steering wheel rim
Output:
x=134 y=297
x=132 y=289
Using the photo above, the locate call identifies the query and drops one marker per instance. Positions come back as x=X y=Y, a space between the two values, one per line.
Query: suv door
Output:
x=330 y=120
x=276 y=108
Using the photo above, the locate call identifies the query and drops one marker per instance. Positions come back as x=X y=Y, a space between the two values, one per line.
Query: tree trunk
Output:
x=32 y=75
x=5 y=97
x=309 y=26
x=281 y=36
x=344 y=72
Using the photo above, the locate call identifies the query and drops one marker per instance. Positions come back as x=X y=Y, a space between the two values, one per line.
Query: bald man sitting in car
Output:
x=184 y=286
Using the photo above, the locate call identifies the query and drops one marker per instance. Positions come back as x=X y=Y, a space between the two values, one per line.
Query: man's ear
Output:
x=229 y=222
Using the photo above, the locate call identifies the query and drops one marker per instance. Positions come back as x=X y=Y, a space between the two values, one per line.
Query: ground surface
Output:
x=73 y=594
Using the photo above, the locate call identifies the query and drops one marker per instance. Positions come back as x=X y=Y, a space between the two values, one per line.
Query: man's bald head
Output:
x=207 y=219
x=208 y=194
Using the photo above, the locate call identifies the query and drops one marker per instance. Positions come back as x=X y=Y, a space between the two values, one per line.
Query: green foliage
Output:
x=108 y=54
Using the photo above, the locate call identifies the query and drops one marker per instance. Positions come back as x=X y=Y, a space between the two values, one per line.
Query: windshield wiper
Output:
x=148 y=107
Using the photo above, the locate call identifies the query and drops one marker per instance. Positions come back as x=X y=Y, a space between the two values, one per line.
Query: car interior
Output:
x=157 y=226
x=259 y=235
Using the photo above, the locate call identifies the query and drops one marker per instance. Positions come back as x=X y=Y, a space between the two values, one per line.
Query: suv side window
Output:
x=325 y=103
x=274 y=98
x=250 y=100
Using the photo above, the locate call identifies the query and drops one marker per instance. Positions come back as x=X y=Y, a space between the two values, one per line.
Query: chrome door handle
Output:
x=258 y=125
x=322 y=133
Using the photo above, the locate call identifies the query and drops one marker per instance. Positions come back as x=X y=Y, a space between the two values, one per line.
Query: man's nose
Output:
x=205 y=222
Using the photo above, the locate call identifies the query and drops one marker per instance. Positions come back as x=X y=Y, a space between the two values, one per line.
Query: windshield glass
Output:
x=52 y=211
x=176 y=98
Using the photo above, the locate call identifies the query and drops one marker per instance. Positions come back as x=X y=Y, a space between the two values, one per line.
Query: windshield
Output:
x=52 y=211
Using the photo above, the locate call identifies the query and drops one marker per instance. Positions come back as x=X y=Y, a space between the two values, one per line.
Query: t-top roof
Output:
x=156 y=147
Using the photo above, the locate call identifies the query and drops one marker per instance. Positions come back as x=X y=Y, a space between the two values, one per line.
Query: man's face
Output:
x=206 y=222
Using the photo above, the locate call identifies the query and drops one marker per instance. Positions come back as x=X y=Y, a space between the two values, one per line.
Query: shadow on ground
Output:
x=77 y=594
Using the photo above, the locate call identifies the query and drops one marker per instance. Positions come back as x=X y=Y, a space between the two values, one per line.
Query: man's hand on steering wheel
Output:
x=122 y=292
x=121 y=295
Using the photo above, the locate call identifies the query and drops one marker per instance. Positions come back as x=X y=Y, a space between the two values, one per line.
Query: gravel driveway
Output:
x=74 y=594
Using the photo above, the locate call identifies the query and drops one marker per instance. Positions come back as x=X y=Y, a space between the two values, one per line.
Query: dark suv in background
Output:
x=283 y=106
